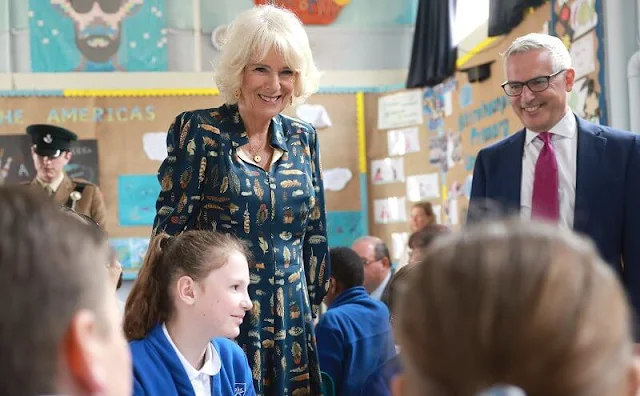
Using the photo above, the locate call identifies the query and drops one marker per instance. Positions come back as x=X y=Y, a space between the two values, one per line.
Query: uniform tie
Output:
x=545 y=200
x=49 y=190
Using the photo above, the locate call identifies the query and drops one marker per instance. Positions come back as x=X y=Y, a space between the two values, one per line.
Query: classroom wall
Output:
x=458 y=119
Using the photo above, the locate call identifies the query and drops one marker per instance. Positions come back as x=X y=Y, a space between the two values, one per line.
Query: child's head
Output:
x=397 y=283
x=347 y=271
x=200 y=277
x=528 y=305
x=423 y=238
x=114 y=267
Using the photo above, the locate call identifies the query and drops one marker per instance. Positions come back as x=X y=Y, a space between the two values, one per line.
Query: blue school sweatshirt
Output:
x=354 y=340
x=157 y=370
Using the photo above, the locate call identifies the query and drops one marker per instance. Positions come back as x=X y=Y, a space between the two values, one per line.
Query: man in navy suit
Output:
x=560 y=167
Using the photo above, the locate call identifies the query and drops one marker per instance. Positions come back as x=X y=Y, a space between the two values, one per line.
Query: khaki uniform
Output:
x=91 y=202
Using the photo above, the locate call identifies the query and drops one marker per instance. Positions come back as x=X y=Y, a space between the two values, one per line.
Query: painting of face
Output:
x=267 y=86
x=538 y=111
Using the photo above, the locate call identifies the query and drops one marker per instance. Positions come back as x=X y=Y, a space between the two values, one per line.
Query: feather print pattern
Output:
x=279 y=212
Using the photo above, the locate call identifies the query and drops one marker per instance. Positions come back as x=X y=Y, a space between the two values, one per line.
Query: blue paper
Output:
x=130 y=253
x=68 y=36
x=466 y=96
x=344 y=227
x=137 y=195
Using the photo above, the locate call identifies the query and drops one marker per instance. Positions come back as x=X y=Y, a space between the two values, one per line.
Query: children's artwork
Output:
x=400 y=110
x=388 y=170
x=336 y=179
x=583 y=16
x=454 y=149
x=583 y=55
x=399 y=243
x=402 y=141
x=423 y=187
x=155 y=145
x=16 y=163
x=453 y=217
x=101 y=36
x=437 y=211
x=438 y=150
x=344 y=227
x=314 y=114
x=578 y=96
x=130 y=253
x=466 y=96
x=437 y=103
x=468 y=181
x=137 y=195
x=390 y=210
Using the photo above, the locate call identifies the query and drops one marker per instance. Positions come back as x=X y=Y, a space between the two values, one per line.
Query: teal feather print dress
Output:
x=206 y=184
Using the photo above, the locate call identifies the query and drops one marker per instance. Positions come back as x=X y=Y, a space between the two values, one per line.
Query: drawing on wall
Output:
x=402 y=141
x=423 y=187
x=16 y=163
x=336 y=179
x=311 y=12
x=399 y=242
x=390 y=210
x=438 y=150
x=388 y=170
x=583 y=17
x=137 y=196
x=97 y=35
x=130 y=253
x=437 y=103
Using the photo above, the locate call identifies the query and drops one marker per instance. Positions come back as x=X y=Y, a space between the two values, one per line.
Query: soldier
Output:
x=50 y=152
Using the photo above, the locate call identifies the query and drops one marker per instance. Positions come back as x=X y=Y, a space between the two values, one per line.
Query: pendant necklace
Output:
x=256 y=157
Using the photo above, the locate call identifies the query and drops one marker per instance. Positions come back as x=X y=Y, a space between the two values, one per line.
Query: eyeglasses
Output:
x=366 y=261
x=536 y=84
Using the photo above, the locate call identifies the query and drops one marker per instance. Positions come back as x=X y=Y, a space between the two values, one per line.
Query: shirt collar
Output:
x=240 y=137
x=377 y=294
x=55 y=184
x=567 y=127
x=212 y=363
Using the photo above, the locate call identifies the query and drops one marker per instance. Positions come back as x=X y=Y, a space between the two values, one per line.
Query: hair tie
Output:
x=165 y=242
x=502 y=390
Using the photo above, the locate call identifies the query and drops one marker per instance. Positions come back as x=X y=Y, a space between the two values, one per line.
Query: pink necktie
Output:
x=545 y=200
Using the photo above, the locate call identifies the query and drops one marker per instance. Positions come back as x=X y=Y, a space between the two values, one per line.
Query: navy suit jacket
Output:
x=607 y=202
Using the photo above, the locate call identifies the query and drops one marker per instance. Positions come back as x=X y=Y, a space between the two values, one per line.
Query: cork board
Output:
x=479 y=114
x=119 y=123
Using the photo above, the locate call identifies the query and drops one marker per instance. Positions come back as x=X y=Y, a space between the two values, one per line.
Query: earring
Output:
x=290 y=100
x=236 y=94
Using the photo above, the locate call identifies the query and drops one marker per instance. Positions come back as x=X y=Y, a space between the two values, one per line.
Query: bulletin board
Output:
x=459 y=119
x=119 y=125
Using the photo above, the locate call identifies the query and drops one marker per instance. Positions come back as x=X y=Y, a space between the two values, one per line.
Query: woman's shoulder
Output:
x=297 y=125
x=197 y=118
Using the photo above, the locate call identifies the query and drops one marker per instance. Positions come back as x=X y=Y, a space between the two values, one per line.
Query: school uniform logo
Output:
x=239 y=389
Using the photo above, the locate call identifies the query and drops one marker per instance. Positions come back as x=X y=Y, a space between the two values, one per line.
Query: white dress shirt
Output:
x=200 y=379
x=565 y=144
x=377 y=294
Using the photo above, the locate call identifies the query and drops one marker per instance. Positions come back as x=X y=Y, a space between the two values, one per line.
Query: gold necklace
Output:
x=256 y=157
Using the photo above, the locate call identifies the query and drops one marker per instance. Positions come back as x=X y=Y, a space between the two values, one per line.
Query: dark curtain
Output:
x=505 y=15
x=433 y=58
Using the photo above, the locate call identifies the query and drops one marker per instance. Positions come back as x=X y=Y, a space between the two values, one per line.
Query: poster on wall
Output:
x=388 y=170
x=137 y=195
x=98 y=36
x=16 y=163
x=403 y=141
x=400 y=110
x=423 y=187
x=390 y=210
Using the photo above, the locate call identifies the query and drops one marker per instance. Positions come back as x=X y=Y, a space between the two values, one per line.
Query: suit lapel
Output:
x=511 y=169
x=591 y=147
x=62 y=194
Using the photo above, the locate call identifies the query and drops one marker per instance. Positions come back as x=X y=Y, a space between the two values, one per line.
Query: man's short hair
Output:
x=346 y=267
x=49 y=273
